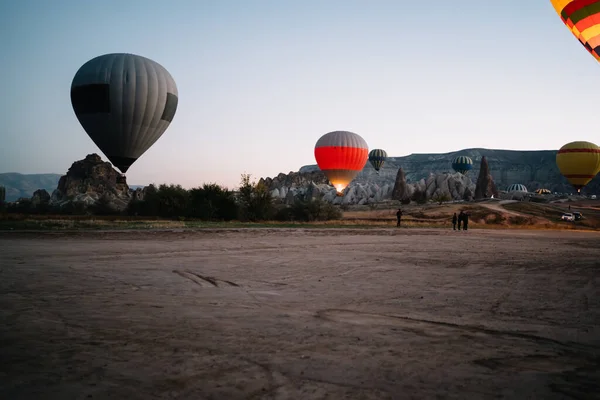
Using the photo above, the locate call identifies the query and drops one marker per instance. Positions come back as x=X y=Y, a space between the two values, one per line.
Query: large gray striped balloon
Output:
x=125 y=102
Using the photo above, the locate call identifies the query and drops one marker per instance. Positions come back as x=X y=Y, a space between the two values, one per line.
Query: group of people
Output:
x=462 y=218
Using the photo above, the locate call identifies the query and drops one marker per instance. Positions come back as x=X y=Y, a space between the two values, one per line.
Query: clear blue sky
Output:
x=261 y=80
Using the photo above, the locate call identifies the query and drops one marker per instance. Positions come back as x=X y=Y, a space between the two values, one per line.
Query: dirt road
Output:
x=300 y=314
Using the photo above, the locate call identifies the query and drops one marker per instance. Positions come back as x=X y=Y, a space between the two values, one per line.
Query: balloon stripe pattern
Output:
x=341 y=155
x=462 y=164
x=582 y=17
x=579 y=162
x=516 y=187
x=543 y=191
x=377 y=157
x=125 y=103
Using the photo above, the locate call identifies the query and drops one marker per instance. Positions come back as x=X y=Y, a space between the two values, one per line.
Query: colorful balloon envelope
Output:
x=377 y=158
x=462 y=164
x=579 y=162
x=125 y=103
x=582 y=17
x=341 y=155
x=543 y=191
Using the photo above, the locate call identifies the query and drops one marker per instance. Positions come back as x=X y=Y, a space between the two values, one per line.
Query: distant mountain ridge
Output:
x=23 y=185
x=532 y=168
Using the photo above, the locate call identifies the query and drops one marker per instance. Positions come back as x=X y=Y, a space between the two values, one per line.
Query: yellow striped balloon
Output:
x=579 y=162
x=582 y=17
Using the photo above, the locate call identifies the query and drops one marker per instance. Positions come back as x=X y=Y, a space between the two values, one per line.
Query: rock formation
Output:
x=40 y=198
x=90 y=180
x=401 y=189
x=485 y=187
x=448 y=186
x=299 y=185
x=535 y=169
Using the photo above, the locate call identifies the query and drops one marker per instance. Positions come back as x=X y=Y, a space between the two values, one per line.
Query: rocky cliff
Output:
x=90 y=182
x=534 y=169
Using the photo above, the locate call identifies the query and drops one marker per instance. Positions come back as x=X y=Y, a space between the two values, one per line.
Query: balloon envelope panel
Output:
x=125 y=103
x=341 y=155
x=377 y=158
x=582 y=18
x=579 y=162
x=516 y=187
x=462 y=164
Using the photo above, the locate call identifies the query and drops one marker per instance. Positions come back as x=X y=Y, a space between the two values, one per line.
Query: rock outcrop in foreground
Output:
x=90 y=181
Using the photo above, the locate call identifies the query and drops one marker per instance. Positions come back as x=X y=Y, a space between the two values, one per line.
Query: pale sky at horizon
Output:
x=260 y=81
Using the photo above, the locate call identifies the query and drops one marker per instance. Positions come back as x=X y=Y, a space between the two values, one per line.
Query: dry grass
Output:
x=531 y=216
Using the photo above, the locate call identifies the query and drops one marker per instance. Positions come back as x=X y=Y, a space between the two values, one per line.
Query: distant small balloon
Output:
x=516 y=187
x=377 y=158
x=125 y=103
x=341 y=155
x=462 y=164
x=579 y=162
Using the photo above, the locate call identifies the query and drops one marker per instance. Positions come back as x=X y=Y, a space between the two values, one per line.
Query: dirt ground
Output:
x=300 y=314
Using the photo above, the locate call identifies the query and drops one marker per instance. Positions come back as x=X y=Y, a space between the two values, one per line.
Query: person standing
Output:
x=460 y=219
x=454 y=219
x=465 y=221
x=398 y=217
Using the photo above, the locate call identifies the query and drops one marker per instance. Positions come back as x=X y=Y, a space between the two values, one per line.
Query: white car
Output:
x=567 y=217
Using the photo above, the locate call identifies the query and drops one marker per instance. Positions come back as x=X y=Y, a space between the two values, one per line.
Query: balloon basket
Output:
x=121 y=179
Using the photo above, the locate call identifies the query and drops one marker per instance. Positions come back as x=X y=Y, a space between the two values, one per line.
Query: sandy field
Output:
x=300 y=314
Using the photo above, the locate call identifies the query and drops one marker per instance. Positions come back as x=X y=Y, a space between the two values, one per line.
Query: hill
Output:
x=23 y=185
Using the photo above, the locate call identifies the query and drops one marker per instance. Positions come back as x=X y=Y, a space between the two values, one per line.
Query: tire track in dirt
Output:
x=423 y=326
x=202 y=280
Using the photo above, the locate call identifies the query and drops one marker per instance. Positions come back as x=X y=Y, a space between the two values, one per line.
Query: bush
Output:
x=104 y=207
x=419 y=196
x=538 y=200
x=212 y=202
x=167 y=201
x=441 y=197
x=309 y=210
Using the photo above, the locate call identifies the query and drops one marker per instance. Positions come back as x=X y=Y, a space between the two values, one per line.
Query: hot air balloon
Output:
x=582 y=17
x=377 y=158
x=516 y=187
x=579 y=162
x=542 y=191
x=341 y=155
x=125 y=102
x=462 y=164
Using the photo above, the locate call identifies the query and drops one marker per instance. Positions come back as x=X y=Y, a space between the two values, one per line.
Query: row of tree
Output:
x=210 y=202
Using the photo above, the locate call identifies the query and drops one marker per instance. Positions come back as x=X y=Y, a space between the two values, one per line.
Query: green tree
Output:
x=255 y=200
x=419 y=196
x=173 y=201
x=309 y=210
x=167 y=201
x=212 y=202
